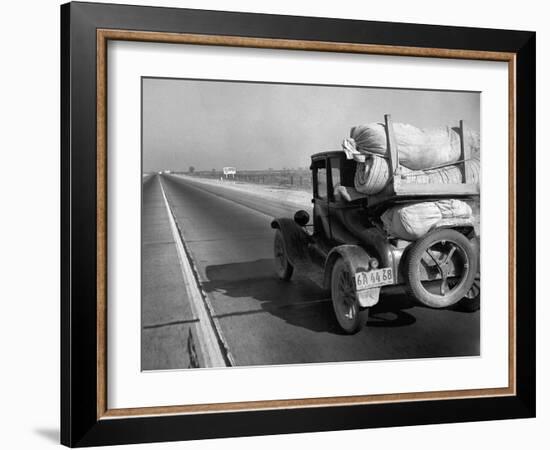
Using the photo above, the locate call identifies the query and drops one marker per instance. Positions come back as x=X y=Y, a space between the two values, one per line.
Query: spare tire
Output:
x=471 y=302
x=440 y=268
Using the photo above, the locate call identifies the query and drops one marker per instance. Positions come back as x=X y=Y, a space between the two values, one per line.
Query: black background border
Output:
x=79 y=425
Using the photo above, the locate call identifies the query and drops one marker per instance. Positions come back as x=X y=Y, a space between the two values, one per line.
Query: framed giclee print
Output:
x=276 y=224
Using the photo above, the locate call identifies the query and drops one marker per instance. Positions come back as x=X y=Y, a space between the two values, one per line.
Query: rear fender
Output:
x=463 y=226
x=357 y=259
x=295 y=239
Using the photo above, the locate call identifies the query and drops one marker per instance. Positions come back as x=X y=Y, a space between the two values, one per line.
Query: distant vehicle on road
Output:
x=347 y=250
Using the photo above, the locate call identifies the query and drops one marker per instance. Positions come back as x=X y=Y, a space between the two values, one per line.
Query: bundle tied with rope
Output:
x=412 y=221
x=425 y=156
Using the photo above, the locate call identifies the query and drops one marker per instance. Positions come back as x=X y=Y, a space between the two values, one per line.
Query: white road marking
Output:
x=208 y=339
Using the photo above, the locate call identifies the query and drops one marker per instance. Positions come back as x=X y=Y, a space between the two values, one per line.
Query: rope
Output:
x=441 y=166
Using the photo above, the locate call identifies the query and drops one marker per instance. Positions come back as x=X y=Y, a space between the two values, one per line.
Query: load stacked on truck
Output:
x=425 y=156
x=414 y=220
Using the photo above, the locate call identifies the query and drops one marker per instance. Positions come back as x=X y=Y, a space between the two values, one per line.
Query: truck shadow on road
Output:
x=251 y=288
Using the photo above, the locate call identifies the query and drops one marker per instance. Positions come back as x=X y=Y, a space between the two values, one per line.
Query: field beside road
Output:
x=256 y=318
x=297 y=179
x=275 y=201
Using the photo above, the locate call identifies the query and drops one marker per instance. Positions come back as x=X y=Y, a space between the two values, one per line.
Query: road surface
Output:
x=257 y=318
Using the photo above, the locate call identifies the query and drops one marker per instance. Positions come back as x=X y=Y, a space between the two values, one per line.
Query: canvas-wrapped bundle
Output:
x=425 y=156
x=412 y=221
x=444 y=175
x=372 y=175
x=418 y=148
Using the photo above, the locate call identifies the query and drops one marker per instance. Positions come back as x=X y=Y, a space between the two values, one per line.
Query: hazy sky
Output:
x=212 y=124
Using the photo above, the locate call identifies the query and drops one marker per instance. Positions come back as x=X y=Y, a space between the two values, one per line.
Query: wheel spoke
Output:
x=450 y=254
x=280 y=254
x=444 y=286
x=348 y=314
x=347 y=296
x=342 y=285
x=435 y=261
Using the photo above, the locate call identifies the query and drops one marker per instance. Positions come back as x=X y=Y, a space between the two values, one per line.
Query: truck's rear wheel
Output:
x=437 y=254
x=282 y=265
x=350 y=316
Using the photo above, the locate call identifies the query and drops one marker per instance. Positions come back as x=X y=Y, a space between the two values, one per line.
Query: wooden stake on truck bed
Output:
x=465 y=153
x=392 y=149
x=397 y=190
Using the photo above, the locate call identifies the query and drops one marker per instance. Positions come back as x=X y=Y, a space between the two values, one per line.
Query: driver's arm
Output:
x=341 y=193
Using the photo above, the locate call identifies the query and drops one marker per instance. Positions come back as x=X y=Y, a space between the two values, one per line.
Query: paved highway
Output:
x=258 y=319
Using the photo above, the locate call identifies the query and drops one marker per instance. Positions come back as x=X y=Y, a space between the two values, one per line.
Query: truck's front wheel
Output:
x=282 y=265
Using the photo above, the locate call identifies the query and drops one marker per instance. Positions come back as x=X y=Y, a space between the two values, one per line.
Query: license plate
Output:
x=373 y=278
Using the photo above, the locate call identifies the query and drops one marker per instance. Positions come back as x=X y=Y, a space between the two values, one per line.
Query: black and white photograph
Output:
x=257 y=225
x=298 y=223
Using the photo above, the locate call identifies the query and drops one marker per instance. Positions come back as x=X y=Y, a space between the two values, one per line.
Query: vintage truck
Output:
x=347 y=250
